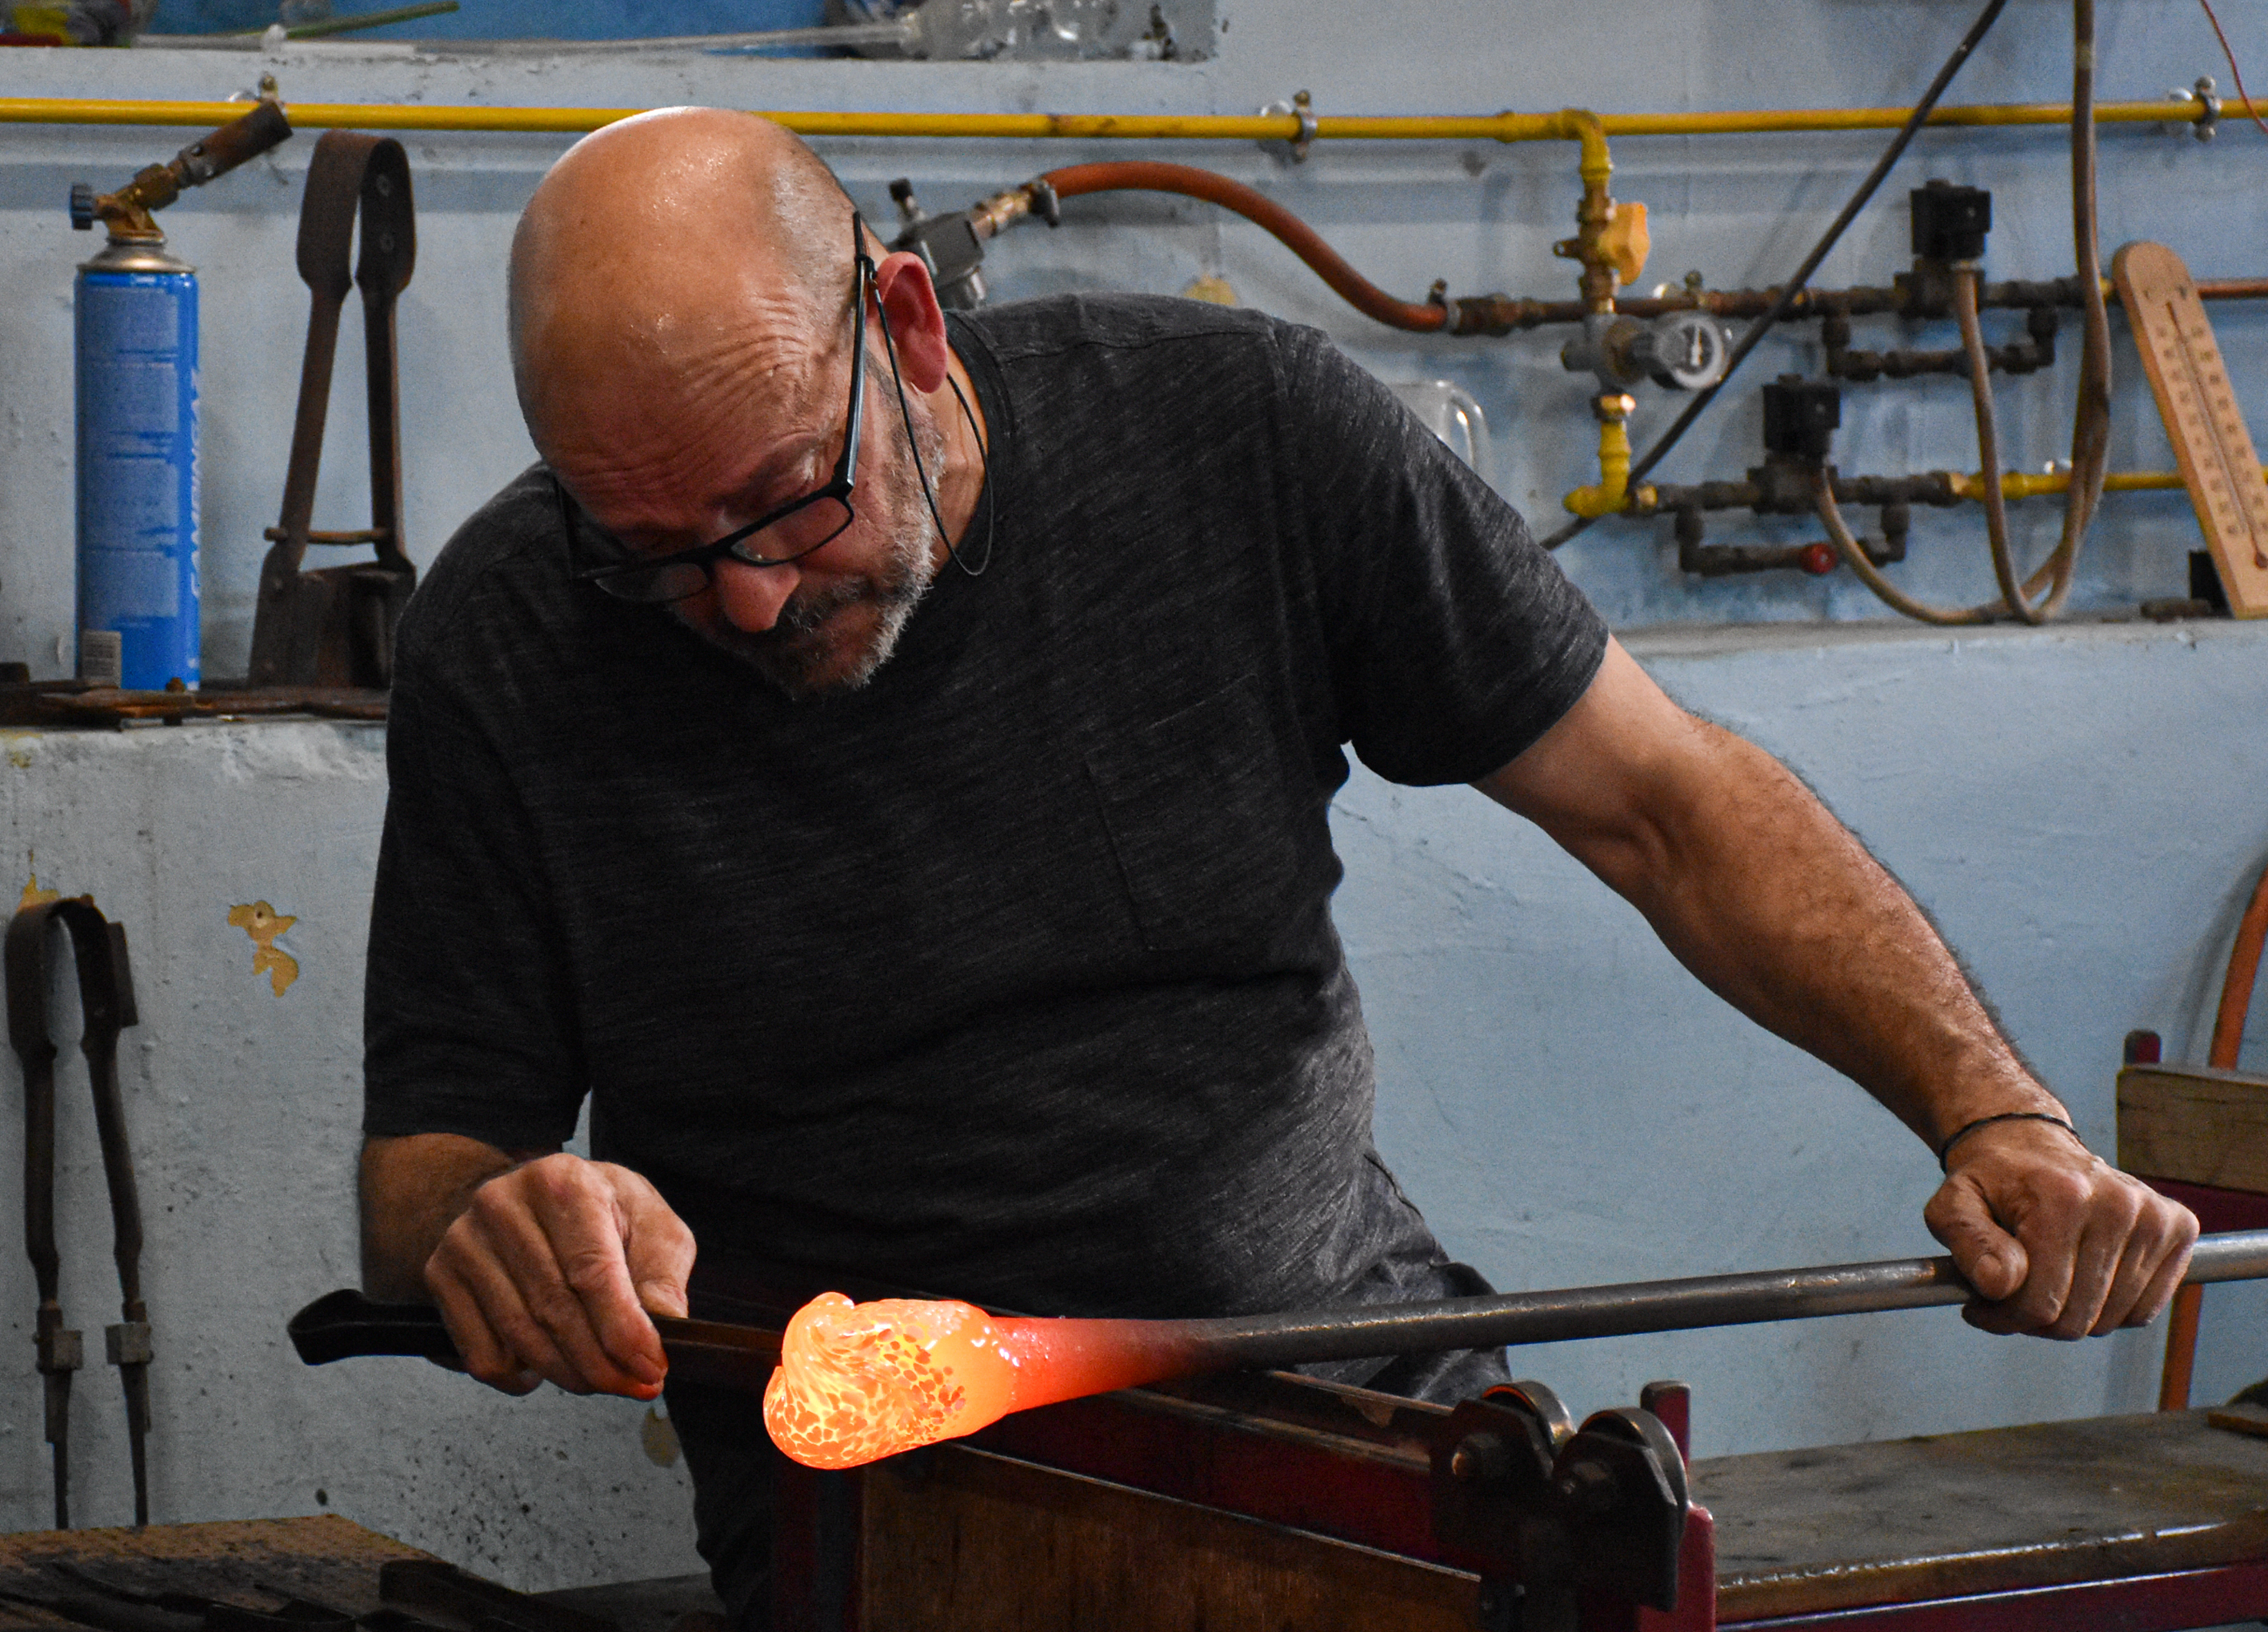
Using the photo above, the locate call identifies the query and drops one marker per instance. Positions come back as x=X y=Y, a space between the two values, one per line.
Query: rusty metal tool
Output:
x=345 y=1323
x=335 y=627
x=126 y=212
x=106 y=988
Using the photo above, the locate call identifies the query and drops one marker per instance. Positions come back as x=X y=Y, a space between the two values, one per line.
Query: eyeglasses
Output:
x=773 y=539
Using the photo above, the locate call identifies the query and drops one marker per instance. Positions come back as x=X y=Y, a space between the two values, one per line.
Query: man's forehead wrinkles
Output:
x=745 y=413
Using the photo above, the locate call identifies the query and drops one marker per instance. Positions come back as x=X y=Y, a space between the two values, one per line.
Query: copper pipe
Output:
x=1501 y=314
x=2237 y=987
x=2181 y=1348
x=1148 y=176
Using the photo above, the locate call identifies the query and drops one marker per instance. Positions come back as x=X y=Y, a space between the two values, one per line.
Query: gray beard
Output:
x=795 y=655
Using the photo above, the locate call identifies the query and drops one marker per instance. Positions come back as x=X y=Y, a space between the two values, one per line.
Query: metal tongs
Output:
x=106 y=989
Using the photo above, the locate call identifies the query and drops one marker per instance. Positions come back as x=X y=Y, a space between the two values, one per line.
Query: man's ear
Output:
x=916 y=321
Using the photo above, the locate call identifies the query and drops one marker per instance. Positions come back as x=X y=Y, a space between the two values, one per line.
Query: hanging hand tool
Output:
x=345 y=1323
x=335 y=627
x=106 y=989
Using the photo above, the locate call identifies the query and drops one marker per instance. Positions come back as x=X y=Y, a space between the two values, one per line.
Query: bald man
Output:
x=883 y=761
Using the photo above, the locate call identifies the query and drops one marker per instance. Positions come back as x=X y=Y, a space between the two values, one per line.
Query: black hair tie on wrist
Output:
x=1966 y=1129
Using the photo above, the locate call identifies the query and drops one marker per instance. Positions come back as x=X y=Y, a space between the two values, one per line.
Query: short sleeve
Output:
x=468 y=1025
x=1454 y=639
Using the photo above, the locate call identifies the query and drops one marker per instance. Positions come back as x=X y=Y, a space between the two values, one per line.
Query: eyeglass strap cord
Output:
x=913 y=447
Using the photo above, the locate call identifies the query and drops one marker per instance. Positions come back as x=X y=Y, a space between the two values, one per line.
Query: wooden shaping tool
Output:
x=2218 y=465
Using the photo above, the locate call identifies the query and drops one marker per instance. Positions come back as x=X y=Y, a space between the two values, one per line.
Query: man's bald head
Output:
x=660 y=244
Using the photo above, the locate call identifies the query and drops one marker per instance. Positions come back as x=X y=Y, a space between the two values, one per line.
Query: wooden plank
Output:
x=972 y=1543
x=2226 y=1595
x=331 y=1560
x=2194 y=1124
x=2202 y=421
x=1998 y=1511
x=2244 y=1417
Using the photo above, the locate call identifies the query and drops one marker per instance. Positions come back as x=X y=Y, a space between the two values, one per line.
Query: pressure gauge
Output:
x=1683 y=350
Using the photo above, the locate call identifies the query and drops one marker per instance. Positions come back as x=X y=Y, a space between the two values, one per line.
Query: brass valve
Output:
x=127 y=211
x=1625 y=243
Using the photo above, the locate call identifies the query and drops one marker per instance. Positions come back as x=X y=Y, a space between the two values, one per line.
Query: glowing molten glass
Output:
x=859 y=1381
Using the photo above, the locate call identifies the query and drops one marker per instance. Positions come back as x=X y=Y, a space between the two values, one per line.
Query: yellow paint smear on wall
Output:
x=264 y=923
x=34 y=894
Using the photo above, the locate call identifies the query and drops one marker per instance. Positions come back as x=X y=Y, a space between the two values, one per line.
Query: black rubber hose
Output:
x=2091 y=419
x=1795 y=286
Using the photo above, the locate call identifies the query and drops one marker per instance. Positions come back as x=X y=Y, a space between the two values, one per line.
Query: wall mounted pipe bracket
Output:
x=2204 y=124
x=1301 y=107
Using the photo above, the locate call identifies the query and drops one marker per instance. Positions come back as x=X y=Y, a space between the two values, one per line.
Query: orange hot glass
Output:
x=860 y=1381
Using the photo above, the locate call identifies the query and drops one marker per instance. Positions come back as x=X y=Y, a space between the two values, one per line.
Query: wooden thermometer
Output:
x=2218 y=465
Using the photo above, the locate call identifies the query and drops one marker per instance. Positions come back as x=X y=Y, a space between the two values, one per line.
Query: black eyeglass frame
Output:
x=614 y=577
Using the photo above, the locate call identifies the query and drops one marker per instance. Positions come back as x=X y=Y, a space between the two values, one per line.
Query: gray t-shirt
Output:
x=1013 y=974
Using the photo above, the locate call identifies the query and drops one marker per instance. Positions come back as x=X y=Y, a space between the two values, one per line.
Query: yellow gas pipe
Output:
x=1506 y=127
x=2017 y=485
x=1611 y=494
x=1605 y=262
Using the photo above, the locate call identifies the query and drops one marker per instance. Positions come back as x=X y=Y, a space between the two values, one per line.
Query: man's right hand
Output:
x=547 y=1274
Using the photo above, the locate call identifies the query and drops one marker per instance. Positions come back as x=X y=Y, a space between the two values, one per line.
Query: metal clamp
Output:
x=1302 y=107
x=1546 y=1512
x=105 y=988
x=2206 y=125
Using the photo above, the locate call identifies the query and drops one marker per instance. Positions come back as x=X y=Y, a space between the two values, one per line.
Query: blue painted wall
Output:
x=1482 y=216
x=1571 y=1107
x=515 y=19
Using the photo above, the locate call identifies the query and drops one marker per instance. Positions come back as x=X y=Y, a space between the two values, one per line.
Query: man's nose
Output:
x=750 y=598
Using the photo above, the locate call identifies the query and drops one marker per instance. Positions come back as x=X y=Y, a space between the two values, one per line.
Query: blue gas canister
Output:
x=137 y=470
x=137 y=419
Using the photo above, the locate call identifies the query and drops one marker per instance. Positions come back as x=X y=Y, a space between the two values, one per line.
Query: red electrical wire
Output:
x=2234 y=72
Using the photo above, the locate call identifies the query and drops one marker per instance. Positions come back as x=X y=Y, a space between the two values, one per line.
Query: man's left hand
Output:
x=2057 y=1242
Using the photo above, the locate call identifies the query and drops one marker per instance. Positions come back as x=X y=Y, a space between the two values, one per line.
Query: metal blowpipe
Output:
x=345 y=1324
x=1518 y=1317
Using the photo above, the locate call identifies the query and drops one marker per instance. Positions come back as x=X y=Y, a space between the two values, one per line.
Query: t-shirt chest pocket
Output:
x=1203 y=822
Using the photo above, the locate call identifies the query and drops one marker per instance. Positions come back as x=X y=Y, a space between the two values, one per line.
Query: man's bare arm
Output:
x=412 y=1190
x=544 y=1265
x=1778 y=908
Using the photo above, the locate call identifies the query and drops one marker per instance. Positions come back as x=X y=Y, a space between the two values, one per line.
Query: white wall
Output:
x=245 y=1107
x=1572 y=1108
